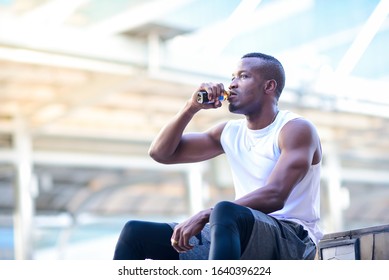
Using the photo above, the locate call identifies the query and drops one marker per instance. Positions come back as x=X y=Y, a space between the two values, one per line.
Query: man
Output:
x=275 y=158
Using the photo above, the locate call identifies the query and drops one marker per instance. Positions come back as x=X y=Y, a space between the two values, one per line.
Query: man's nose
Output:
x=232 y=85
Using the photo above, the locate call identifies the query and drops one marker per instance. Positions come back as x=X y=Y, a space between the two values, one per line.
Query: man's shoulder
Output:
x=299 y=127
x=297 y=119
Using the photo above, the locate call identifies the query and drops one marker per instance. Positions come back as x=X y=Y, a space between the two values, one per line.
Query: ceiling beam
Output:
x=137 y=16
x=51 y=14
x=364 y=38
x=23 y=55
x=45 y=44
x=210 y=40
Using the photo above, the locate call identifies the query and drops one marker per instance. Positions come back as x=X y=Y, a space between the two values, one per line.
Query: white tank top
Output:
x=252 y=155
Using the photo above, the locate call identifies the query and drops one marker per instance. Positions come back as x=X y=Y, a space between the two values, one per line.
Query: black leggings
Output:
x=145 y=240
x=231 y=226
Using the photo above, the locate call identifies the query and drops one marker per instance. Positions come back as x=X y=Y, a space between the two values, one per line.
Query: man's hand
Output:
x=214 y=91
x=185 y=230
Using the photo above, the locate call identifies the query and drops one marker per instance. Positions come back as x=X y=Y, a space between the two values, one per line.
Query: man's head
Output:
x=271 y=68
x=256 y=84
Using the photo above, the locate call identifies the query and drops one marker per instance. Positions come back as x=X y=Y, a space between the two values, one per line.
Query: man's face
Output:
x=246 y=87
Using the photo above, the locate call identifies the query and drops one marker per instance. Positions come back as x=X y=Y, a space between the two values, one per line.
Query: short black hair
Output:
x=273 y=69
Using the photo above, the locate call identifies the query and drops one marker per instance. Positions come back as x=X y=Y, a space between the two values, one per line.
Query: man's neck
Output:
x=262 y=120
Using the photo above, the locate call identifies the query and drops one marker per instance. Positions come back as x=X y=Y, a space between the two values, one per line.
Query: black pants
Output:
x=231 y=227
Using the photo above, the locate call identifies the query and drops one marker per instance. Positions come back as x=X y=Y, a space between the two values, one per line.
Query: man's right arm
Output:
x=172 y=146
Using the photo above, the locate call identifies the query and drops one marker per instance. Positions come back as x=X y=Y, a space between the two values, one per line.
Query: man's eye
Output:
x=243 y=76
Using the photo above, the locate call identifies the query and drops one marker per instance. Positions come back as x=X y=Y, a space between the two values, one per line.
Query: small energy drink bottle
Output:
x=202 y=97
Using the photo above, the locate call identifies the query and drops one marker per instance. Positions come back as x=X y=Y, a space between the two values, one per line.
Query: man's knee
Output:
x=238 y=219
x=132 y=229
x=229 y=211
x=225 y=207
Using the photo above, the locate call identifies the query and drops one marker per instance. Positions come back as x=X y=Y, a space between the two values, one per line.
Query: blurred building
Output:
x=85 y=86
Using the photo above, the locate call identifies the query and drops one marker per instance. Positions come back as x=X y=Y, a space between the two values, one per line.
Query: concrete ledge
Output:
x=371 y=243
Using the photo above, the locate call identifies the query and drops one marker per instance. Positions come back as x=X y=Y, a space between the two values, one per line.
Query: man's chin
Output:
x=232 y=109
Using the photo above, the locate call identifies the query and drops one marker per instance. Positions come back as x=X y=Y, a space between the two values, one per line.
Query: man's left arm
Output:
x=300 y=148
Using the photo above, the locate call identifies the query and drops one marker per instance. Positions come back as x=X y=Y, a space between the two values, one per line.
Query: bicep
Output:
x=298 y=143
x=195 y=147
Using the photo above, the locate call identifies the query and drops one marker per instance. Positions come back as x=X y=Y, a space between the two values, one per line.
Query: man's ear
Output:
x=270 y=86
